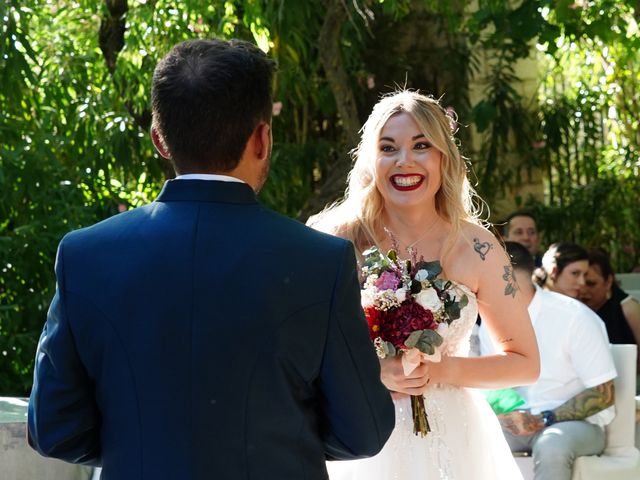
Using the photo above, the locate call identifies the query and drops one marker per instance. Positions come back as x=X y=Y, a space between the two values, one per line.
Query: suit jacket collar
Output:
x=206 y=191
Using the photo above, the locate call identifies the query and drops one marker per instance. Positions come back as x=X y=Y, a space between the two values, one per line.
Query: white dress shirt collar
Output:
x=209 y=176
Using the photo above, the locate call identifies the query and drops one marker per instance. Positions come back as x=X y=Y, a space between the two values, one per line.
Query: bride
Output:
x=408 y=189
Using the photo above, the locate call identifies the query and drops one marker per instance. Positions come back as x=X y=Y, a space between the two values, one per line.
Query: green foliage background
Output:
x=74 y=114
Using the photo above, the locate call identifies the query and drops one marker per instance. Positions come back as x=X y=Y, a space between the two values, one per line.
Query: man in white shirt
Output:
x=566 y=409
x=521 y=227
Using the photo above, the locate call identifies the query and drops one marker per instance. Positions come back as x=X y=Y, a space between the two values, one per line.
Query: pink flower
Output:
x=276 y=108
x=451 y=113
x=540 y=144
x=371 y=81
x=387 y=281
x=122 y=207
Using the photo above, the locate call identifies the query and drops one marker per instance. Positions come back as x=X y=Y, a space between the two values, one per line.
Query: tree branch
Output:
x=334 y=183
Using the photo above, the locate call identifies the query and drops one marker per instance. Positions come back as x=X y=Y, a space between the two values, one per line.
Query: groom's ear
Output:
x=158 y=142
x=262 y=141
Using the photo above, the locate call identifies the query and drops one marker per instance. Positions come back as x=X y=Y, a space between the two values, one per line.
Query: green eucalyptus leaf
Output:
x=428 y=341
x=432 y=336
x=439 y=284
x=464 y=301
x=433 y=268
x=413 y=339
x=453 y=311
x=389 y=349
x=426 y=347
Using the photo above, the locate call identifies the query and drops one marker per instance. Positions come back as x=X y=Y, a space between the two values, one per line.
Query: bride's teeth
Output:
x=406 y=181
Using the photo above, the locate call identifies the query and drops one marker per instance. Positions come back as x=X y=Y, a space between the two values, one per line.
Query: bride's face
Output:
x=407 y=165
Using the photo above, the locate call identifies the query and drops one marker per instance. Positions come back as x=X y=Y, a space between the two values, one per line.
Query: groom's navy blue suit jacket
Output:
x=204 y=336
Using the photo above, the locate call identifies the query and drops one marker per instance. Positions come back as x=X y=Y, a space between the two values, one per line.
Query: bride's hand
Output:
x=393 y=377
x=398 y=395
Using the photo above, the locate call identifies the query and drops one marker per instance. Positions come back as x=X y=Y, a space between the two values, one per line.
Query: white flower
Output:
x=367 y=298
x=370 y=282
x=442 y=328
x=428 y=299
x=385 y=300
x=401 y=294
x=422 y=275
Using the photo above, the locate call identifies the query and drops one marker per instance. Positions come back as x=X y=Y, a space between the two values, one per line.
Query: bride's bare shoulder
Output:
x=473 y=250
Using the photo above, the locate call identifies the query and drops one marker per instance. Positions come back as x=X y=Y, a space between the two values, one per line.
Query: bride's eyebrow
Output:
x=415 y=137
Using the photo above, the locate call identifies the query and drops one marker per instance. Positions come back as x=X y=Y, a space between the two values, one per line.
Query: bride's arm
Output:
x=486 y=266
x=487 y=270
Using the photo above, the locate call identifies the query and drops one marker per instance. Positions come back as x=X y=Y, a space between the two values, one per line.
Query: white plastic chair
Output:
x=620 y=459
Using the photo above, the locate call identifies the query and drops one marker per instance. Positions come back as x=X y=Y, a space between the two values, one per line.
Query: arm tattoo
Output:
x=506 y=340
x=481 y=248
x=530 y=423
x=512 y=285
x=587 y=403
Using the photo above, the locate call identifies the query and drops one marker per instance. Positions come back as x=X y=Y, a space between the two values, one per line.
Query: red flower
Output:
x=373 y=319
x=397 y=324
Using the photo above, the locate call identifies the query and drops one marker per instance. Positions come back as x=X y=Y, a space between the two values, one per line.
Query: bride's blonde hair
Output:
x=358 y=217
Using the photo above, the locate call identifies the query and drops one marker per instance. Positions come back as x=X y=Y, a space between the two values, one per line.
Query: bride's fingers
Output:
x=414 y=391
x=414 y=382
x=412 y=387
x=418 y=372
x=398 y=395
x=393 y=377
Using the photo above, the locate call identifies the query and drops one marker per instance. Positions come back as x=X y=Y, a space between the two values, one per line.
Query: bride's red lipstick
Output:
x=399 y=184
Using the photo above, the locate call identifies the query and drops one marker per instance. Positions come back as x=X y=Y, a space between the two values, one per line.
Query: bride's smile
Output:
x=407 y=182
x=408 y=171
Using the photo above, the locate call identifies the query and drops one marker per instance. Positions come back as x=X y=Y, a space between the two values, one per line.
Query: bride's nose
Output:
x=404 y=158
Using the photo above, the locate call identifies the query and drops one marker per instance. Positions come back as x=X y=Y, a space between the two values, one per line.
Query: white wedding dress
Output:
x=465 y=442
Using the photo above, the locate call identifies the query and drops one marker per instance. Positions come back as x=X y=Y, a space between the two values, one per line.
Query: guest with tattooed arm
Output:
x=566 y=409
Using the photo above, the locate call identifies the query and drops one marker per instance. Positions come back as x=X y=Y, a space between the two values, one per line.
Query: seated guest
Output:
x=574 y=393
x=619 y=311
x=521 y=227
x=563 y=270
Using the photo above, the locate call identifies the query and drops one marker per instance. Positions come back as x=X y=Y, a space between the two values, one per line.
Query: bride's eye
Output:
x=387 y=148
x=422 y=145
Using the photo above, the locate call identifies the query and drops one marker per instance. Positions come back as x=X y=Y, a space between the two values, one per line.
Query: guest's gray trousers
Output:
x=555 y=448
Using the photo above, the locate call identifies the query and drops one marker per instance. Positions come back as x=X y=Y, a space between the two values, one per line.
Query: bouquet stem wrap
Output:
x=420 y=421
x=410 y=360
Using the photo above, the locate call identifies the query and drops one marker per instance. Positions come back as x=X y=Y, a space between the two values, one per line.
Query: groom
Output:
x=203 y=335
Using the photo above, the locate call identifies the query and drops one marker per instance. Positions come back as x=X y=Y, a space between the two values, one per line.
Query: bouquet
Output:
x=408 y=308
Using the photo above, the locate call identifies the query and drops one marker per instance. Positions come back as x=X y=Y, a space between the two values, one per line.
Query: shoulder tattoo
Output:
x=481 y=248
x=512 y=286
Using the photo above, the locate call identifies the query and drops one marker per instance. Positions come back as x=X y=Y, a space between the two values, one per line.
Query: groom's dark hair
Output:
x=520 y=257
x=207 y=98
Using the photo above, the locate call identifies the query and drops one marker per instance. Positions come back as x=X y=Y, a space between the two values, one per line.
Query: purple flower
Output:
x=387 y=281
